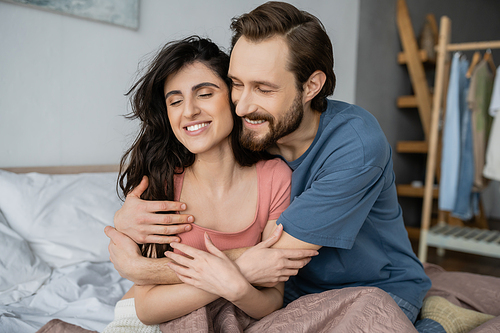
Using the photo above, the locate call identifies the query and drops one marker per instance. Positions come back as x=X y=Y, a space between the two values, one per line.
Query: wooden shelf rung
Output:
x=407 y=190
x=412 y=147
x=413 y=232
x=423 y=55
x=407 y=102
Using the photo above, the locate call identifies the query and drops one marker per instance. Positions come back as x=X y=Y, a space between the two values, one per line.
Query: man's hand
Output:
x=139 y=220
x=265 y=266
x=125 y=255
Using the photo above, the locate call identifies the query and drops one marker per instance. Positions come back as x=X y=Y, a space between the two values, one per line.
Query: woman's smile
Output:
x=194 y=129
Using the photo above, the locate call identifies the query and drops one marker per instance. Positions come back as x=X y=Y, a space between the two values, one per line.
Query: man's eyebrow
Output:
x=264 y=83
x=194 y=88
x=267 y=83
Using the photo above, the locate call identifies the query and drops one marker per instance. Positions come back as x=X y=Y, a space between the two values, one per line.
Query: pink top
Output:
x=274 y=185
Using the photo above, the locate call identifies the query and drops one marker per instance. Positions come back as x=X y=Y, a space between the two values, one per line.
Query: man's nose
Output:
x=244 y=103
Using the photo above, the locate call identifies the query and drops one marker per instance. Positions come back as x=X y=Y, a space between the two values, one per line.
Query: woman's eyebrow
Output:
x=204 y=84
x=172 y=92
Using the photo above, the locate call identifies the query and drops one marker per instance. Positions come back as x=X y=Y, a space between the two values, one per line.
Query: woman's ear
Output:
x=313 y=85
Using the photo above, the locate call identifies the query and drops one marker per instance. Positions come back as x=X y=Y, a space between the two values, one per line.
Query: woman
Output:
x=189 y=148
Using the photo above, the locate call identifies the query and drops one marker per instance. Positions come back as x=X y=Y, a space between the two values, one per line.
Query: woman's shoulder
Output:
x=273 y=167
x=274 y=163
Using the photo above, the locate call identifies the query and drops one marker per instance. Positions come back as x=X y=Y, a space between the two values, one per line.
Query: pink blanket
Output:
x=358 y=309
x=471 y=291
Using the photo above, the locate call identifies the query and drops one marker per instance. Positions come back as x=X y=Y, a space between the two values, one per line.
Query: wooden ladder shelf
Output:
x=416 y=60
x=458 y=238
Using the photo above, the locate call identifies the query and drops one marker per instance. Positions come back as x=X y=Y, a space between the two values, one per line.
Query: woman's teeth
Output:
x=196 y=127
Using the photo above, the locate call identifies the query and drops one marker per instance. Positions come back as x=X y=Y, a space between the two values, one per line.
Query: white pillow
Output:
x=21 y=272
x=61 y=216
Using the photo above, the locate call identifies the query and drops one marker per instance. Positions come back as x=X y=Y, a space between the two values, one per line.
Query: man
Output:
x=344 y=201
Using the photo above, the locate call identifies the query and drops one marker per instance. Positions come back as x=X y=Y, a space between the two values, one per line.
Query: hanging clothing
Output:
x=479 y=97
x=492 y=166
x=451 y=151
x=495 y=96
x=467 y=201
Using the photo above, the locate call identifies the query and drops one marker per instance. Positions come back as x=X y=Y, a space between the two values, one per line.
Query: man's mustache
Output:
x=259 y=116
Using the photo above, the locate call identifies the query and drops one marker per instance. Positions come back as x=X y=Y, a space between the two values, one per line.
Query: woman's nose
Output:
x=191 y=109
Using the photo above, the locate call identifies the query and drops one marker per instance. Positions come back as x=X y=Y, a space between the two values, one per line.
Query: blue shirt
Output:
x=344 y=199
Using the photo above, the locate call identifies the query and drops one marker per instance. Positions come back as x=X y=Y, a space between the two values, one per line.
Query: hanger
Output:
x=475 y=59
x=488 y=56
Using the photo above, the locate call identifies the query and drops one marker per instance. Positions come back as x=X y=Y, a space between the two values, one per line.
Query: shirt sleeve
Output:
x=280 y=189
x=332 y=210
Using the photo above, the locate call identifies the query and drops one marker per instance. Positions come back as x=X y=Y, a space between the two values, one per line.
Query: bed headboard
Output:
x=66 y=169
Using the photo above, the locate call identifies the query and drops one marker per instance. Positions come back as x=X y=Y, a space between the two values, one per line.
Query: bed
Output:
x=54 y=261
x=55 y=274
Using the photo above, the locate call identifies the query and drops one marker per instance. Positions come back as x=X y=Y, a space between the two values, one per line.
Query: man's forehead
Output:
x=269 y=55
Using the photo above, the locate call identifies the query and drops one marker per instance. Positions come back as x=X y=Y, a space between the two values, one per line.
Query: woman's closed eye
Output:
x=175 y=102
x=204 y=92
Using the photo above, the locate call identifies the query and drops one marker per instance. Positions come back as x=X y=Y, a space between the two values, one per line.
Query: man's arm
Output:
x=124 y=253
x=138 y=222
x=345 y=198
x=139 y=219
x=269 y=263
x=260 y=265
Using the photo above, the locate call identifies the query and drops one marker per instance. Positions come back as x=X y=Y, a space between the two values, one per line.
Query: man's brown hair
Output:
x=309 y=46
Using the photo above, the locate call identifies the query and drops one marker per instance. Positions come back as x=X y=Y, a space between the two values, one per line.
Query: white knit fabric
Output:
x=126 y=320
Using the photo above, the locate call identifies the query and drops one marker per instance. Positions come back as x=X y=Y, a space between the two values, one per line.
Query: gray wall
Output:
x=62 y=78
x=380 y=80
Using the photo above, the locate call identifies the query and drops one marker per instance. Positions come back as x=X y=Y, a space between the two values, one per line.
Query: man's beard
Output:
x=288 y=123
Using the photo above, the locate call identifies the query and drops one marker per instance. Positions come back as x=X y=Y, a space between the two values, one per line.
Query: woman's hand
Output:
x=139 y=220
x=265 y=266
x=215 y=273
x=210 y=271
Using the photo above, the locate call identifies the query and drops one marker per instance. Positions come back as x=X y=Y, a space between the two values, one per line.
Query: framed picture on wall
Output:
x=123 y=13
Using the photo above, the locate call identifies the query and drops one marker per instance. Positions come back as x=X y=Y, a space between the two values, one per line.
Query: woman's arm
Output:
x=258 y=303
x=266 y=300
x=159 y=303
x=155 y=304
x=215 y=273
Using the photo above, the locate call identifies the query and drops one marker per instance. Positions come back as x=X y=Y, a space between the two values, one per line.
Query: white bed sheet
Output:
x=54 y=261
x=83 y=294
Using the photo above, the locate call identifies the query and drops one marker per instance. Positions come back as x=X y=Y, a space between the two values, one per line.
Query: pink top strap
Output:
x=274 y=185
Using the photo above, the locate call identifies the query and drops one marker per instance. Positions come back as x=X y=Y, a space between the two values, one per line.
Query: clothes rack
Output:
x=482 y=242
